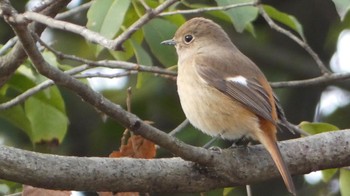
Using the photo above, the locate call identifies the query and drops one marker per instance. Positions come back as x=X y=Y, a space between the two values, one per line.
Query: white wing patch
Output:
x=238 y=79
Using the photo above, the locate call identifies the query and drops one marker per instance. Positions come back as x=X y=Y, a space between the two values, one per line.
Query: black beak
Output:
x=169 y=42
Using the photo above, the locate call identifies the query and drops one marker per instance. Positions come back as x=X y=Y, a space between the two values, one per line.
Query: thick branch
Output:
x=10 y=62
x=232 y=167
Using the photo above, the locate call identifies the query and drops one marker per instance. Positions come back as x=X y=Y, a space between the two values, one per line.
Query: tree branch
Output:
x=11 y=61
x=228 y=168
x=108 y=63
x=132 y=68
x=232 y=167
x=125 y=118
x=208 y=9
x=74 y=11
x=89 y=35
x=324 y=79
x=103 y=75
x=324 y=70
x=42 y=86
x=225 y=169
x=96 y=37
x=141 y=21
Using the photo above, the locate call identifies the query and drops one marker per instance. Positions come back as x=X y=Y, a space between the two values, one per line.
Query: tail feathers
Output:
x=271 y=146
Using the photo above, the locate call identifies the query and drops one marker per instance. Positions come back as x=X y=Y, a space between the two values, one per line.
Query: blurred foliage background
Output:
x=154 y=98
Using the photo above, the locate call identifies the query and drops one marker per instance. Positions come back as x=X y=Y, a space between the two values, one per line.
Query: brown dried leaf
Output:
x=118 y=194
x=33 y=191
x=137 y=147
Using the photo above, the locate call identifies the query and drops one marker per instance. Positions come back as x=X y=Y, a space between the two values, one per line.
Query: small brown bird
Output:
x=222 y=92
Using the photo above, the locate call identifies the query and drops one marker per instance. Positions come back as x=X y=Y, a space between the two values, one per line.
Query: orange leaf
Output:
x=33 y=191
x=137 y=147
x=128 y=194
x=118 y=194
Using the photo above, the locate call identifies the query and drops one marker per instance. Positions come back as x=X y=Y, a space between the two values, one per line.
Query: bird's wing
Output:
x=246 y=90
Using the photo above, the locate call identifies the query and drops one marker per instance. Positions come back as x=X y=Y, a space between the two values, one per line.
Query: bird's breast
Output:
x=211 y=111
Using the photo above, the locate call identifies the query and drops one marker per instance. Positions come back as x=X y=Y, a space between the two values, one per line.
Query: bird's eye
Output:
x=188 y=39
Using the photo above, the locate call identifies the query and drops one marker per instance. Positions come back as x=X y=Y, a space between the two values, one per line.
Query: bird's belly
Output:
x=215 y=116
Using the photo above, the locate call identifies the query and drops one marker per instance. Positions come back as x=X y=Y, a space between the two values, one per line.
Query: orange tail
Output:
x=271 y=146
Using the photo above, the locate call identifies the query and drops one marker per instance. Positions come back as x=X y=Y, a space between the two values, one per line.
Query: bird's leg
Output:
x=240 y=142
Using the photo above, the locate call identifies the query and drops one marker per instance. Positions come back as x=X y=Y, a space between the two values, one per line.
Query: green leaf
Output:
x=315 y=128
x=344 y=180
x=288 y=20
x=156 y=31
x=176 y=19
x=50 y=58
x=227 y=191
x=47 y=122
x=128 y=47
x=128 y=51
x=3 y=90
x=241 y=16
x=131 y=16
x=21 y=82
x=124 y=55
x=107 y=16
x=328 y=174
x=142 y=58
x=27 y=72
x=342 y=7
x=17 y=117
x=52 y=96
x=43 y=116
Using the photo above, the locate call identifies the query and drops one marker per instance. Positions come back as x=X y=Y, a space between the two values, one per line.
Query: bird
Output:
x=223 y=93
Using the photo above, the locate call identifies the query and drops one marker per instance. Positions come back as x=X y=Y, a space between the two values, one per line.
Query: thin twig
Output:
x=142 y=21
x=89 y=35
x=128 y=106
x=324 y=79
x=97 y=100
x=144 y=4
x=128 y=100
x=96 y=37
x=10 y=62
x=179 y=128
x=134 y=68
x=15 y=194
x=208 y=9
x=249 y=190
x=30 y=92
x=324 y=70
x=109 y=63
x=74 y=11
x=211 y=142
x=102 y=75
x=9 y=44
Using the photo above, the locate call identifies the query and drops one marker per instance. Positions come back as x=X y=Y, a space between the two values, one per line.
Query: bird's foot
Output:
x=240 y=142
x=216 y=149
